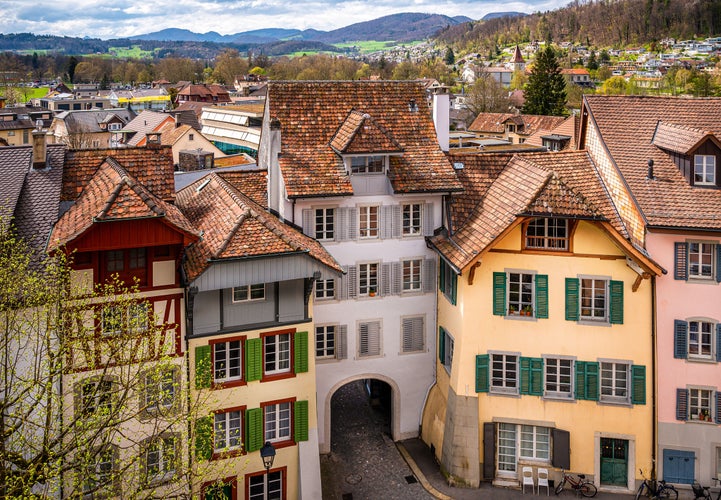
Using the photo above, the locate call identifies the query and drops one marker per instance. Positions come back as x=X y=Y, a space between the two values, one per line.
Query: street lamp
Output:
x=267 y=453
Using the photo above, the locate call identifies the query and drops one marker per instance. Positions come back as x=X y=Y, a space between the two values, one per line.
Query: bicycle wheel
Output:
x=641 y=492
x=559 y=487
x=588 y=490
x=667 y=491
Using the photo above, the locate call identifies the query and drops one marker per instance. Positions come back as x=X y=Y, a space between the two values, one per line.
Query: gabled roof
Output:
x=112 y=194
x=494 y=122
x=236 y=227
x=627 y=125
x=679 y=138
x=88 y=121
x=146 y=121
x=502 y=189
x=566 y=130
x=311 y=113
x=360 y=133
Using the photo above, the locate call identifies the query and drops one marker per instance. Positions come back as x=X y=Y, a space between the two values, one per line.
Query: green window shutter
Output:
x=536 y=388
x=542 y=296
x=254 y=429
x=572 y=291
x=253 y=359
x=204 y=438
x=499 y=294
x=717 y=250
x=300 y=340
x=301 y=421
x=482 y=361
x=441 y=344
x=638 y=384
x=442 y=275
x=680 y=261
x=718 y=346
x=592 y=381
x=680 y=339
x=580 y=380
x=616 y=304
x=203 y=373
x=525 y=369
x=454 y=287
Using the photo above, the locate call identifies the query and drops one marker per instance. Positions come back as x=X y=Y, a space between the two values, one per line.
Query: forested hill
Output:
x=603 y=23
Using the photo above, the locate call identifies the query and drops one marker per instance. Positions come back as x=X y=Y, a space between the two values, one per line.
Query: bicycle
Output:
x=582 y=485
x=703 y=491
x=656 y=489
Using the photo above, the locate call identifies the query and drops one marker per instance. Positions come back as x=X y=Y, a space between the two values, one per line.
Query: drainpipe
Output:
x=654 y=407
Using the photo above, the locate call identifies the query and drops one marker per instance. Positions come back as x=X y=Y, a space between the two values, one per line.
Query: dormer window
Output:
x=704 y=172
x=548 y=234
x=367 y=164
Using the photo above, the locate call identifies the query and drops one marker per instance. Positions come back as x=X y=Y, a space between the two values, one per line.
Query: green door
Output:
x=614 y=462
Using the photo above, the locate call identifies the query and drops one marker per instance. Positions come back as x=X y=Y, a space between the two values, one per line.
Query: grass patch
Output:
x=368 y=46
x=26 y=93
x=132 y=52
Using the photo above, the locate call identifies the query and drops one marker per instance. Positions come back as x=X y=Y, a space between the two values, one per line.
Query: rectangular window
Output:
x=160 y=459
x=138 y=317
x=115 y=261
x=699 y=404
x=368 y=279
x=548 y=234
x=504 y=373
x=447 y=281
x=445 y=349
x=325 y=289
x=130 y=265
x=117 y=319
x=700 y=260
x=228 y=431
x=265 y=486
x=369 y=339
x=559 y=378
x=412 y=275
x=520 y=294
x=100 y=473
x=277 y=419
x=614 y=382
x=159 y=389
x=412 y=219
x=136 y=258
x=247 y=293
x=227 y=361
x=413 y=334
x=324 y=224
x=276 y=353
x=594 y=305
x=704 y=170
x=96 y=397
x=368 y=221
x=325 y=341
x=700 y=338
x=535 y=442
x=367 y=164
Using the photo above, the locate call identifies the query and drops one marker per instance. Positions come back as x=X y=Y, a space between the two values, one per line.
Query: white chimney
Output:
x=441 y=116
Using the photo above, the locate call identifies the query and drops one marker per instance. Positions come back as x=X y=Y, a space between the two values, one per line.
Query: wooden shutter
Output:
x=340 y=224
x=385 y=285
x=342 y=290
x=369 y=339
x=499 y=294
x=680 y=339
x=413 y=333
x=580 y=380
x=308 y=222
x=397 y=221
x=525 y=369
x=718 y=342
x=561 y=449
x=253 y=359
x=718 y=407
x=341 y=342
x=352 y=282
x=717 y=249
x=542 y=296
x=454 y=287
x=386 y=221
x=616 y=303
x=300 y=414
x=587 y=380
x=203 y=370
x=489 y=450
x=300 y=352
x=482 y=362
x=427 y=209
x=204 y=438
x=572 y=292
x=680 y=261
x=352 y=223
x=254 y=436
x=638 y=384
x=429 y=275
x=531 y=376
x=396 y=278
x=681 y=404
x=441 y=344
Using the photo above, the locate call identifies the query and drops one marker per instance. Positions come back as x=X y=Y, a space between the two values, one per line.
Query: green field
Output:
x=26 y=93
x=366 y=47
x=132 y=52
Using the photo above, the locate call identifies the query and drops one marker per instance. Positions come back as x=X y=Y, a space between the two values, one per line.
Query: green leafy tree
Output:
x=616 y=85
x=450 y=57
x=545 y=92
x=592 y=63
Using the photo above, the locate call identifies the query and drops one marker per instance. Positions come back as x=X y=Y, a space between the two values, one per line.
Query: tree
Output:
x=518 y=80
x=592 y=62
x=545 y=92
x=450 y=57
x=616 y=85
x=228 y=66
x=486 y=95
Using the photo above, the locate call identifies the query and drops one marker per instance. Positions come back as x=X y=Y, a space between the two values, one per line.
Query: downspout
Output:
x=654 y=430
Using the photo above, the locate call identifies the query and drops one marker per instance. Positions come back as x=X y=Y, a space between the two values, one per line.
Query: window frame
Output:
x=281 y=415
x=411 y=227
x=324 y=228
x=404 y=322
x=707 y=171
x=414 y=269
x=157 y=399
x=711 y=337
x=105 y=478
x=367 y=216
x=548 y=361
x=227 y=381
x=102 y=395
x=509 y=385
x=712 y=395
x=330 y=352
x=368 y=278
x=368 y=324
x=592 y=298
x=701 y=276
x=265 y=477
x=546 y=235
x=249 y=291
x=520 y=305
x=238 y=449
x=448 y=347
x=163 y=475
x=277 y=372
x=523 y=428
x=368 y=164
x=603 y=379
x=323 y=291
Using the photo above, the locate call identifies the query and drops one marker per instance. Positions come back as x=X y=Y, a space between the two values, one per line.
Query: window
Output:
x=448 y=281
x=548 y=234
x=700 y=335
x=325 y=289
x=97 y=398
x=412 y=219
x=368 y=279
x=504 y=373
x=704 y=171
x=593 y=299
x=412 y=275
x=220 y=490
x=130 y=265
x=247 y=293
x=113 y=126
x=520 y=294
x=191 y=137
x=559 y=378
x=117 y=318
x=369 y=339
x=160 y=459
x=227 y=361
x=112 y=320
x=367 y=164
x=100 y=473
x=718 y=462
x=413 y=334
x=277 y=419
x=325 y=341
x=699 y=404
x=324 y=224
x=368 y=221
x=159 y=393
x=614 y=382
x=700 y=260
x=445 y=348
x=265 y=486
x=276 y=354
x=228 y=431
x=535 y=442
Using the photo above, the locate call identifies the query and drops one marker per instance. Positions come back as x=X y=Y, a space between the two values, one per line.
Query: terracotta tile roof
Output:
x=567 y=128
x=627 y=125
x=234 y=226
x=170 y=134
x=252 y=183
x=145 y=122
x=360 y=133
x=679 y=138
x=495 y=122
x=152 y=167
x=500 y=189
x=113 y=194
x=233 y=160
x=311 y=113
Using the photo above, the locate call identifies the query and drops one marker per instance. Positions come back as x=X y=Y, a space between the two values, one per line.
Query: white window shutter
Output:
x=308 y=222
x=386 y=221
x=413 y=334
x=386 y=278
x=429 y=275
x=369 y=343
x=352 y=282
x=397 y=277
x=341 y=224
x=352 y=223
x=341 y=344
x=397 y=221
x=428 y=228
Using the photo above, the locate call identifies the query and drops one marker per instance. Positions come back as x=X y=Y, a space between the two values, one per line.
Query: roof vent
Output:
x=649 y=175
x=458 y=165
x=202 y=185
x=412 y=106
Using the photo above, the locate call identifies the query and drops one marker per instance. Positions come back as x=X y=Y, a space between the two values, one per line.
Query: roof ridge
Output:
x=128 y=180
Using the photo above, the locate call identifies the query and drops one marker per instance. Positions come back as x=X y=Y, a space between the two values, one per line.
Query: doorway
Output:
x=614 y=462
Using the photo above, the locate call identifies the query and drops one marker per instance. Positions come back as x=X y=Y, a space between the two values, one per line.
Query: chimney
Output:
x=441 y=116
x=39 y=146
x=152 y=140
x=177 y=120
x=649 y=175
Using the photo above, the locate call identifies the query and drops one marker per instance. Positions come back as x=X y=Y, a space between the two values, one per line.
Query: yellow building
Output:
x=545 y=321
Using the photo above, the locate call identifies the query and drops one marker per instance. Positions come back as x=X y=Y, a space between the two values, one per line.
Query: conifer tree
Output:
x=545 y=93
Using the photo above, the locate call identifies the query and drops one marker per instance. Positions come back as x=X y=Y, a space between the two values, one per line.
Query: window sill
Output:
x=520 y=317
x=624 y=404
x=697 y=421
x=590 y=322
x=702 y=281
x=707 y=361
x=501 y=392
x=277 y=376
x=228 y=385
x=560 y=399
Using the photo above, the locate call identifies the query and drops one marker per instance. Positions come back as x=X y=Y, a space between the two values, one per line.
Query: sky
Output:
x=122 y=18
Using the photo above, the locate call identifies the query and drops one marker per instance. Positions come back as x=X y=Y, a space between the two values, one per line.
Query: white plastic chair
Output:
x=527 y=473
x=543 y=480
